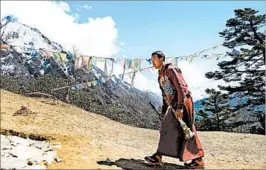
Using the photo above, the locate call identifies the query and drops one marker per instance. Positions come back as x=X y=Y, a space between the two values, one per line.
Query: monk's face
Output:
x=157 y=62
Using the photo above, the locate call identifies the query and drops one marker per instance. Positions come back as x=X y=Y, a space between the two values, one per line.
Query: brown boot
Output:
x=195 y=164
x=155 y=159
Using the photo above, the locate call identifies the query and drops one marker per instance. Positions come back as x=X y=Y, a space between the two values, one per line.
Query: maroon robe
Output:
x=172 y=141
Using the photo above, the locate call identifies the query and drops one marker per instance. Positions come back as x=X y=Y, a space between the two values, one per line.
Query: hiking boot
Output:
x=195 y=164
x=155 y=159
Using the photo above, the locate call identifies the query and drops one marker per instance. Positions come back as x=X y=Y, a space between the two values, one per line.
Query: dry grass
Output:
x=87 y=137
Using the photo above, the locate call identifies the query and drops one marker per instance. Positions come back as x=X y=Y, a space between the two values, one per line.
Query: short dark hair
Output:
x=160 y=54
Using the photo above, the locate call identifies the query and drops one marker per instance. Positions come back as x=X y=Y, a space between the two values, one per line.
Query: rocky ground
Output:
x=20 y=153
x=88 y=139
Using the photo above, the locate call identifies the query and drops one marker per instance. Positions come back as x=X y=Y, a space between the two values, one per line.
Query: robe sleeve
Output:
x=164 y=107
x=180 y=87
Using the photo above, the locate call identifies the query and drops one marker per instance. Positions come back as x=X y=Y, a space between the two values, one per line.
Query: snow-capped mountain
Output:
x=26 y=60
x=24 y=37
x=25 y=43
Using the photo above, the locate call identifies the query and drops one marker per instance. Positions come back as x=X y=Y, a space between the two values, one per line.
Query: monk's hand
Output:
x=179 y=114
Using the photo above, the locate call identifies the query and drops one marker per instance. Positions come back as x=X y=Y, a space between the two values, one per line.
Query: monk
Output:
x=172 y=140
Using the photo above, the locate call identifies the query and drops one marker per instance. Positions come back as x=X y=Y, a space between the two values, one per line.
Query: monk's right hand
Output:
x=179 y=114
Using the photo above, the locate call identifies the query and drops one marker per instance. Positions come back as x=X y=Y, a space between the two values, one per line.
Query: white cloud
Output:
x=144 y=83
x=98 y=36
x=77 y=16
x=87 y=7
x=194 y=74
x=63 y=6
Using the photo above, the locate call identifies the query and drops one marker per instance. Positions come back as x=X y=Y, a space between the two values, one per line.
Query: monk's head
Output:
x=157 y=59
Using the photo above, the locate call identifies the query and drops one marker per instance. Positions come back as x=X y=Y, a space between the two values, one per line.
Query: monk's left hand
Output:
x=179 y=114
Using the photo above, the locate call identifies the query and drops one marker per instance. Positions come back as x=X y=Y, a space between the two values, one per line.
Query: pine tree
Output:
x=217 y=104
x=202 y=124
x=246 y=68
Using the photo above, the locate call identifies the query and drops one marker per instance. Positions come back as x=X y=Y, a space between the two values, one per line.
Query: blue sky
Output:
x=176 y=27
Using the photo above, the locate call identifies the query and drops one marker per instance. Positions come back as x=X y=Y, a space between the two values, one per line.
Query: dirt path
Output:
x=87 y=138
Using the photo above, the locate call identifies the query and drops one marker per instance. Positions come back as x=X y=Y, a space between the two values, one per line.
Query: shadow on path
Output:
x=133 y=164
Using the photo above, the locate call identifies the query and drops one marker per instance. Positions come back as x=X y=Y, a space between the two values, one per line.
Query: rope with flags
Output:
x=86 y=62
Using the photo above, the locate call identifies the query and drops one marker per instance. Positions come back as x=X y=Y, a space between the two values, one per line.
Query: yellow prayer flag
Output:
x=63 y=57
